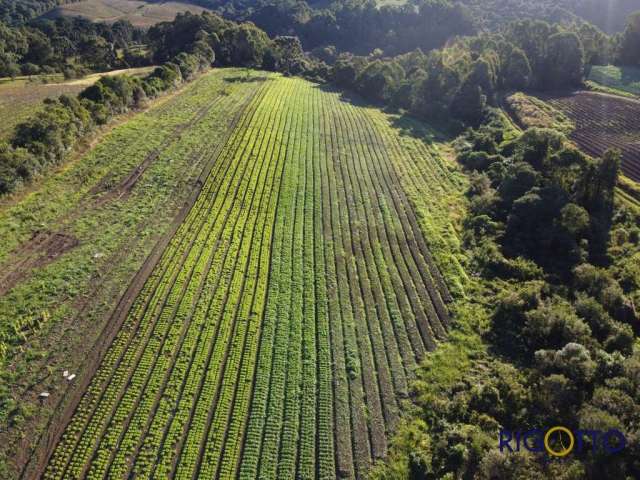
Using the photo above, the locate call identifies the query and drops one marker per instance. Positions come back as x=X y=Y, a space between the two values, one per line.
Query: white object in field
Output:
x=98 y=255
x=65 y=374
x=71 y=377
x=44 y=395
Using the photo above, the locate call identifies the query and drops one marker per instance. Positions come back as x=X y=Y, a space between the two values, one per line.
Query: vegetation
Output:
x=21 y=97
x=343 y=286
x=69 y=46
x=531 y=112
x=555 y=310
x=16 y=12
x=608 y=15
x=56 y=299
x=217 y=371
x=602 y=122
x=625 y=79
x=46 y=138
x=139 y=13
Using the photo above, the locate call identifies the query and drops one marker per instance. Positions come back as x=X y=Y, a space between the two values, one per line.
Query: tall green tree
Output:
x=629 y=52
x=564 y=61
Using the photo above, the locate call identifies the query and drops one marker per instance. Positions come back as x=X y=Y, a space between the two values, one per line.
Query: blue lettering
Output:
x=618 y=444
x=505 y=438
x=536 y=436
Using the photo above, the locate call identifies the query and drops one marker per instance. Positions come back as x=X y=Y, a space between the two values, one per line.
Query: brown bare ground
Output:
x=41 y=249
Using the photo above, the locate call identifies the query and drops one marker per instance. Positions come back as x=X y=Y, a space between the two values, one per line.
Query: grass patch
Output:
x=618 y=80
x=531 y=112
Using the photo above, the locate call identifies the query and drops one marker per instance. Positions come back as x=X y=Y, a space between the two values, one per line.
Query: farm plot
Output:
x=605 y=121
x=277 y=334
x=72 y=242
x=139 y=12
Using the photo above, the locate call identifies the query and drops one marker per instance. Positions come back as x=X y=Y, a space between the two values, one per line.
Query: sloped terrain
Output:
x=278 y=331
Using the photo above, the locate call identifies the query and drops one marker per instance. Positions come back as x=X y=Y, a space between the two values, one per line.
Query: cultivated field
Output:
x=73 y=242
x=277 y=333
x=604 y=121
x=21 y=97
x=139 y=13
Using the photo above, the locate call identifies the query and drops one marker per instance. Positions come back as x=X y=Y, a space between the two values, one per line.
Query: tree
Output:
x=564 y=61
x=469 y=103
x=380 y=79
x=629 y=52
x=517 y=71
x=344 y=72
x=244 y=45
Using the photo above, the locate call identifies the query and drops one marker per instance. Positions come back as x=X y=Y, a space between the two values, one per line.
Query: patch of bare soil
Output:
x=41 y=249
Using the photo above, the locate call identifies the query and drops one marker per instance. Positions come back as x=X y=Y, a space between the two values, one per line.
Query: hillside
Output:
x=139 y=13
x=302 y=177
x=609 y=15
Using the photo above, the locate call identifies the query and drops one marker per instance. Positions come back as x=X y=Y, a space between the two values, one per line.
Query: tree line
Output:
x=19 y=12
x=461 y=80
x=70 y=46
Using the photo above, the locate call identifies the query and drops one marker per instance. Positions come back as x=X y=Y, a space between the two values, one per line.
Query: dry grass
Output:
x=531 y=112
x=139 y=13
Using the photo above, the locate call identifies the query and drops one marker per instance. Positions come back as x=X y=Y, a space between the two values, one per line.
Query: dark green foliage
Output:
x=629 y=53
x=564 y=329
x=17 y=12
x=46 y=138
x=46 y=46
x=608 y=15
x=379 y=80
x=517 y=70
x=359 y=26
x=564 y=61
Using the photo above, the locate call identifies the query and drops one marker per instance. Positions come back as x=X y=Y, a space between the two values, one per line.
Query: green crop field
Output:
x=278 y=332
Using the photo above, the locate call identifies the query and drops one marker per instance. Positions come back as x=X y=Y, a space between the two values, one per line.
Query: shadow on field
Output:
x=246 y=79
x=406 y=124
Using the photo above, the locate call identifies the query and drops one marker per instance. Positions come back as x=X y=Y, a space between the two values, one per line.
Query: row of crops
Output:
x=279 y=332
x=605 y=122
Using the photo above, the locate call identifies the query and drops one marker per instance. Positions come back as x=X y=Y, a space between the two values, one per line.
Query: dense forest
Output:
x=608 y=15
x=18 y=12
x=69 y=46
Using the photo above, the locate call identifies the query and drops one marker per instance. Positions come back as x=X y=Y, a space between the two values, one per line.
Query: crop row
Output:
x=124 y=354
x=282 y=325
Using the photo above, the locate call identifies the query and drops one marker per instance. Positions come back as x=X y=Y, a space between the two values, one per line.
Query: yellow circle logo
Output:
x=566 y=450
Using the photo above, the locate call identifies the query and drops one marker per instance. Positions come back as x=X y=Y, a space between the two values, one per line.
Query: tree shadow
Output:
x=630 y=76
x=404 y=123
x=246 y=79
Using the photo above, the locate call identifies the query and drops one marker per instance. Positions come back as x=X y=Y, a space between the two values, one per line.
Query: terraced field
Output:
x=602 y=122
x=278 y=331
